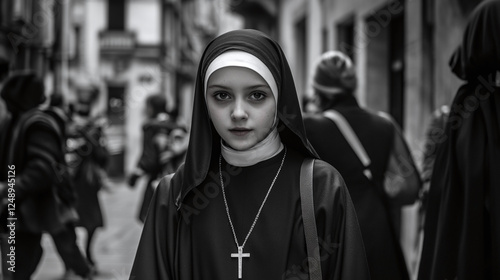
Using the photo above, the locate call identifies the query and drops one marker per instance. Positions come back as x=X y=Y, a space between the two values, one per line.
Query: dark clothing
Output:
x=150 y=161
x=199 y=237
x=66 y=244
x=32 y=143
x=462 y=229
x=186 y=234
x=35 y=171
x=29 y=252
x=465 y=183
x=86 y=156
x=478 y=52
x=154 y=132
x=65 y=239
x=373 y=205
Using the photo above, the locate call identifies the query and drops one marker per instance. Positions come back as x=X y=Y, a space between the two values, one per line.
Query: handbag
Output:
x=309 y=219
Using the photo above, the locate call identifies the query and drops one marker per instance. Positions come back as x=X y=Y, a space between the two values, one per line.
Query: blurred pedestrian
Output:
x=234 y=208
x=30 y=151
x=370 y=152
x=87 y=156
x=65 y=240
x=462 y=228
x=163 y=149
x=435 y=135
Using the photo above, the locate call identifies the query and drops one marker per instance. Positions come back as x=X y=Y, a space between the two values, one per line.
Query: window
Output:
x=116 y=14
x=345 y=37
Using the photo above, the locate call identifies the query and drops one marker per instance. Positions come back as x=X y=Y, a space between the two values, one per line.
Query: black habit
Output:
x=462 y=230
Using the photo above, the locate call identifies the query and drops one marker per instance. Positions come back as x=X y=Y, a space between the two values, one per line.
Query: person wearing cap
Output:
x=372 y=156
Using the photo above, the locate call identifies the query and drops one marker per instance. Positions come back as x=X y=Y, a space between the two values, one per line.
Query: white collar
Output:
x=265 y=149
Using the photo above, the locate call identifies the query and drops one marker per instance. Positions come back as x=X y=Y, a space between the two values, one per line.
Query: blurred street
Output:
x=115 y=244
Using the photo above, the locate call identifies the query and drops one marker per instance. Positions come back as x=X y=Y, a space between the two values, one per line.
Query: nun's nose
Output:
x=239 y=112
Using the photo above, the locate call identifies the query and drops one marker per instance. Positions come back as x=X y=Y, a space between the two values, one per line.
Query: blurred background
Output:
x=130 y=49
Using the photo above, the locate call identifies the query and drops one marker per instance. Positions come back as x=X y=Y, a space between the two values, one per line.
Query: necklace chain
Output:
x=258 y=212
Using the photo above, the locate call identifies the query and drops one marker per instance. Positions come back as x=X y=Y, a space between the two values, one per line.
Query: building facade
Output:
x=29 y=35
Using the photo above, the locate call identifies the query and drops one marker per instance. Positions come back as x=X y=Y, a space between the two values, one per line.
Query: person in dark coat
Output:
x=30 y=148
x=233 y=210
x=462 y=228
x=65 y=240
x=390 y=180
x=87 y=157
x=163 y=150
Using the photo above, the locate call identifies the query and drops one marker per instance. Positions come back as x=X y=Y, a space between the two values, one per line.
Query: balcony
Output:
x=117 y=42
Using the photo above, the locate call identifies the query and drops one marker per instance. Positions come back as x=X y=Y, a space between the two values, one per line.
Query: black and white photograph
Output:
x=249 y=139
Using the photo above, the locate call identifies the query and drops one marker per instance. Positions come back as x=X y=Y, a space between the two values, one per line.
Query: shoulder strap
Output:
x=352 y=139
x=309 y=219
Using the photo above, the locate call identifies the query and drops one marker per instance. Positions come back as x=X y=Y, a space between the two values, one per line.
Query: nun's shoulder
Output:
x=169 y=187
x=327 y=178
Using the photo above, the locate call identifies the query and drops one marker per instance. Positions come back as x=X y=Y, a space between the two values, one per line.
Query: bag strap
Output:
x=352 y=140
x=309 y=219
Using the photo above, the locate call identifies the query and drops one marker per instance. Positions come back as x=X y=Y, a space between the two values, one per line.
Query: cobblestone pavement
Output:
x=114 y=245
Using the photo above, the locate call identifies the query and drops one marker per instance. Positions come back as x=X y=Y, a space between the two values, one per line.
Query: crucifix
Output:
x=240 y=255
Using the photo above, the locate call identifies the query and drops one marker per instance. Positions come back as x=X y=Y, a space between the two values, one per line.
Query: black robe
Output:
x=462 y=228
x=377 y=135
x=195 y=242
x=187 y=235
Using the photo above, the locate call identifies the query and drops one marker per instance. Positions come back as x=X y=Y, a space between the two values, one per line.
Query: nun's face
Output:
x=241 y=106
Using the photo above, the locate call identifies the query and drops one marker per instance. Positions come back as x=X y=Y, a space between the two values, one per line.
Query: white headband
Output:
x=326 y=89
x=242 y=59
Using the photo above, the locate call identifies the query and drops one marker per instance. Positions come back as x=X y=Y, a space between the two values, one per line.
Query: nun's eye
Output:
x=221 y=95
x=258 y=95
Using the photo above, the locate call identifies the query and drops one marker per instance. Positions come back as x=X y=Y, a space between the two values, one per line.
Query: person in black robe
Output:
x=393 y=179
x=158 y=157
x=462 y=228
x=216 y=201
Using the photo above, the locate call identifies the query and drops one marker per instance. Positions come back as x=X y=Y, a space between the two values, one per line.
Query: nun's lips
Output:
x=240 y=131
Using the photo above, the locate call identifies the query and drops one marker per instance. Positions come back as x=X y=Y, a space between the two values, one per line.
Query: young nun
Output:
x=233 y=210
